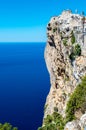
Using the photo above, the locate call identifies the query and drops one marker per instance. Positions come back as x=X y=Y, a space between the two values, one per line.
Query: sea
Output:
x=24 y=84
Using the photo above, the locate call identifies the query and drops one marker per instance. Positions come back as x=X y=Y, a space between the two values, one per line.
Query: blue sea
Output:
x=24 y=84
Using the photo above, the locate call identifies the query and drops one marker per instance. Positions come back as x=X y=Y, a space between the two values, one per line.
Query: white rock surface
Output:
x=77 y=124
x=64 y=74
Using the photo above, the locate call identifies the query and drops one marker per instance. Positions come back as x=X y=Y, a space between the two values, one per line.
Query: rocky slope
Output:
x=65 y=56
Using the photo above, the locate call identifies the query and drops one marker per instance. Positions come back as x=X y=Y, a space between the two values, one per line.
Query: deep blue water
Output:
x=24 y=84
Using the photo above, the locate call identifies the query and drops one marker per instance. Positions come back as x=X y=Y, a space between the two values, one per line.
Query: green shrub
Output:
x=51 y=127
x=48 y=119
x=55 y=109
x=73 y=40
x=76 y=101
x=53 y=122
x=54 y=30
x=75 y=52
x=42 y=128
x=65 y=42
x=83 y=108
x=59 y=120
x=72 y=56
x=48 y=127
x=7 y=126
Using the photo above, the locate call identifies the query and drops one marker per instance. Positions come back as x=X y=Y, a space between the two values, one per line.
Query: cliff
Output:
x=65 y=56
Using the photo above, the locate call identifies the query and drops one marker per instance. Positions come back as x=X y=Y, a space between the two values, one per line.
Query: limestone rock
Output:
x=66 y=65
x=76 y=124
x=83 y=120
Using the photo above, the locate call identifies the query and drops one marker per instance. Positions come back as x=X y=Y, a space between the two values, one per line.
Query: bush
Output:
x=65 y=42
x=55 y=109
x=48 y=127
x=42 y=128
x=72 y=56
x=72 y=38
x=76 y=52
x=53 y=122
x=83 y=108
x=48 y=119
x=51 y=127
x=54 y=30
x=7 y=126
x=59 y=120
x=76 y=101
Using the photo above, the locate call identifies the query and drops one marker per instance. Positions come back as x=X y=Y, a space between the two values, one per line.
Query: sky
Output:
x=26 y=20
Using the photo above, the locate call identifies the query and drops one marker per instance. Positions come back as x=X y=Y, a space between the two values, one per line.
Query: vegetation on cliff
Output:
x=53 y=122
x=77 y=101
x=73 y=39
x=75 y=52
x=66 y=62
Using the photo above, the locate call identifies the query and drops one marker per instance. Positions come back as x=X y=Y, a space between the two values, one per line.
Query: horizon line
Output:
x=23 y=42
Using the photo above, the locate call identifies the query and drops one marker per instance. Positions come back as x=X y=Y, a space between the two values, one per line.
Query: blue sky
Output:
x=26 y=20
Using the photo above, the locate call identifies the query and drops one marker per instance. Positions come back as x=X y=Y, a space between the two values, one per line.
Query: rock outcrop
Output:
x=76 y=124
x=65 y=56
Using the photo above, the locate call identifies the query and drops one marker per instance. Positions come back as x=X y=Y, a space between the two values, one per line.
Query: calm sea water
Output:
x=24 y=84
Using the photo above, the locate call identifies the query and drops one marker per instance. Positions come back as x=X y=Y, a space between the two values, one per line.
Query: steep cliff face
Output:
x=65 y=56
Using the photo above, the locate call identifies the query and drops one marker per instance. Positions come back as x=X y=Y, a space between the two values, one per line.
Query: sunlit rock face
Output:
x=77 y=124
x=65 y=70
x=74 y=125
x=83 y=121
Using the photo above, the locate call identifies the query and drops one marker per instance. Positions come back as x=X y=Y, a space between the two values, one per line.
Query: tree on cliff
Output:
x=7 y=126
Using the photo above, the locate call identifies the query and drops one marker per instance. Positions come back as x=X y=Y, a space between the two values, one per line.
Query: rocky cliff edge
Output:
x=65 y=56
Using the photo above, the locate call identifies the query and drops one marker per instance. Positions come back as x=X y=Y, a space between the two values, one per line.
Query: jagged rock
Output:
x=76 y=124
x=65 y=34
x=83 y=120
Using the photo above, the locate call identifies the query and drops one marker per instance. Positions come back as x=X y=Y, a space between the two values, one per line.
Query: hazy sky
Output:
x=26 y=20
